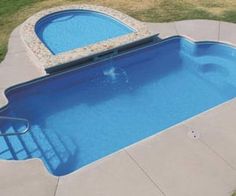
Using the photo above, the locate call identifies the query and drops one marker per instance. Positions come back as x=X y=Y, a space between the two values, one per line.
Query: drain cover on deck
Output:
x=194 y=134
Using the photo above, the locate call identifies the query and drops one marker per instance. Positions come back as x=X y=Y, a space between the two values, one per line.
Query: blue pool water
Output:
x=67 y=30
x=83 y=115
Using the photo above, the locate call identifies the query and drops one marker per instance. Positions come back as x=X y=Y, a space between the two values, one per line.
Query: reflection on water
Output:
x=116 y=74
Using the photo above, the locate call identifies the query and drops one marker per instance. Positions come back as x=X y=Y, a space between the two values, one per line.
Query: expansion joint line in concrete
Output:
x=55 y=192
x=176 y=29
x=145 y=173
x=210 y=148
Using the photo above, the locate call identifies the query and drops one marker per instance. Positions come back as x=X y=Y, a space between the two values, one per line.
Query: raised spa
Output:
x=67 y=30
x=80 y=116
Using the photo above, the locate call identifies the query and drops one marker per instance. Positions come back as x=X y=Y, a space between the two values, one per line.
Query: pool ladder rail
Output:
x=26 y=123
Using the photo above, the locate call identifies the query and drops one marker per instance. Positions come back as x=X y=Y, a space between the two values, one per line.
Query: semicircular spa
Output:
x=70 y=29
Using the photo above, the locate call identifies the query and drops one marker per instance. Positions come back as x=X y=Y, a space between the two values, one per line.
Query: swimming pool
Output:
x=67 y=30
x=80 y=116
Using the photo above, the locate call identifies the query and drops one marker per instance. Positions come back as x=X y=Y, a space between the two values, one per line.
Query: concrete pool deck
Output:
x=193 y=158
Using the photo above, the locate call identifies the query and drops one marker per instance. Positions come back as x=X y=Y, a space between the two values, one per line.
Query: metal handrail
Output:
x=16 y=119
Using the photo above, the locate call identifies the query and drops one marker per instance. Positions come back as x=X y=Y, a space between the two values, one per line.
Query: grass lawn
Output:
x=14 y=12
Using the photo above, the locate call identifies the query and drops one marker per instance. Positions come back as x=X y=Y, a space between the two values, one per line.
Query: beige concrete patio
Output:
x=193 y=158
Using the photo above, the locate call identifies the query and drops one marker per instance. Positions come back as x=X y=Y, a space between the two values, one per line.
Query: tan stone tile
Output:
x=3 y=99
x=17 y=68
x=198 y=30
x=227 y=33
x=217 y=128
x=165 y=30
x=115 y=175
x=15 y=43
x=26 y=178
x=16 y=31
x=183 y=166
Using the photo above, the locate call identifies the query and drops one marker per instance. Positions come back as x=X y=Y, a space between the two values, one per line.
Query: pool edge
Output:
x=193 y=38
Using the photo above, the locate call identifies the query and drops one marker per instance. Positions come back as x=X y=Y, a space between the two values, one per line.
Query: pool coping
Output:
x=44 y=57
x=112 y=175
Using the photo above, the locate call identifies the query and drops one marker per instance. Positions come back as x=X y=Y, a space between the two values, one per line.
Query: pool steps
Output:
x=26 y=126
x=46 y=145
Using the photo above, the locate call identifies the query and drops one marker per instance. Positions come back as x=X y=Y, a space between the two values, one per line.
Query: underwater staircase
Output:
x=19 y=141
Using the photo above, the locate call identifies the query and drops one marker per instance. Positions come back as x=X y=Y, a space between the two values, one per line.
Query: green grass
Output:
x=8 y=8
x=14 y=12
x=172 y=12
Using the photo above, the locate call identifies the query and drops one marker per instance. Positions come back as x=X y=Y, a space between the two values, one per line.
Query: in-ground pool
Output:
x=71 y=29
x=83 y=115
